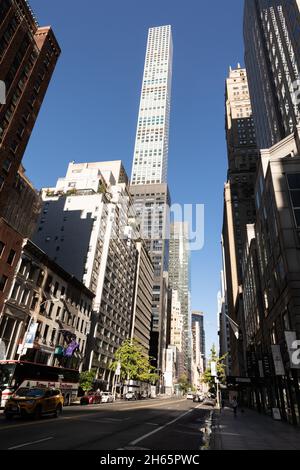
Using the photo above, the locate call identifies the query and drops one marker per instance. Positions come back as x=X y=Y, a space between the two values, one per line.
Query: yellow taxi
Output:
x=35 y=402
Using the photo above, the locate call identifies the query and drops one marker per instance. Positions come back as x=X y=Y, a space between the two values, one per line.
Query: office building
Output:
x=54 y=304
x=11 y=243
x=150 y=160
x=239 y=205
x=85 y=227
x=24 y=205
x=142 y=306
x=271 y=270
x=199 y=346
x=149 y=174
x=197 y=355
x=179 y=280
x=224 y=326
x=28 y=55
x=272 y=58
x=151 y=205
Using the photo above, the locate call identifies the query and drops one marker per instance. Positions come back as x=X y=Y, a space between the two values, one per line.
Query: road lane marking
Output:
x=142 y=438
x=152 y=424
x=30 y=443
x=115 y=419
x=95 y=421
x=78 y=416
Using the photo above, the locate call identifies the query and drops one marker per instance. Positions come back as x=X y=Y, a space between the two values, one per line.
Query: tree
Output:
x=86 y=380
x=220 y=369
x=184 y=384
x=134 y=364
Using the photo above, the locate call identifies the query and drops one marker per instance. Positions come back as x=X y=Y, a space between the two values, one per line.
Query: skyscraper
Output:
x=84 y=227
x=239 y=204
x=272 y=57
x=179 y=280
x=150 y=160
x=198 y=349
x=198 y=317
x=149 y=188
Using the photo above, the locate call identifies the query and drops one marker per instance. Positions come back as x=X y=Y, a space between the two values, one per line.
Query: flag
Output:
x=234 y=326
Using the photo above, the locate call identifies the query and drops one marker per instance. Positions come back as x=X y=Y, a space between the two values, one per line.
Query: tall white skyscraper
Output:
x=149 y=188
x=150 y=162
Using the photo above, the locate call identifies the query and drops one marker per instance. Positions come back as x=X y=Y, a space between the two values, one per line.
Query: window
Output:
x=40 y=279
x=24 y=297
x=11 y=257
x=32 y=271
x=15 y=291
x=6 y=165
x=3 y=281
x=56 y=286
x=48 y=283
x=294 y=188
x=2 y=246
x=34 y=301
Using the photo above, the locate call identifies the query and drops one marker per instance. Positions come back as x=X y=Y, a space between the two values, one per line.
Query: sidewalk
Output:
x=252 y=431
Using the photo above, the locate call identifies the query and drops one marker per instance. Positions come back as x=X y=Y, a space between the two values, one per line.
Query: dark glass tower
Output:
x=272 y=57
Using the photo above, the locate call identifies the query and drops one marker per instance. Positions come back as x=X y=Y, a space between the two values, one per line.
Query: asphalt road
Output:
x=162 y=424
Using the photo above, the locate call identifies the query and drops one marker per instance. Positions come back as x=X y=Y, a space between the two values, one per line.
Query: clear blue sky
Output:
x=90 y=111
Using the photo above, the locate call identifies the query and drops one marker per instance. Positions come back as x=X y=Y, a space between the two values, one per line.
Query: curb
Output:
x=216 y=439
x=207 y=432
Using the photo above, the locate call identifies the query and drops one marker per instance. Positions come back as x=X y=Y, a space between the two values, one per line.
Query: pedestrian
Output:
x=234 y=405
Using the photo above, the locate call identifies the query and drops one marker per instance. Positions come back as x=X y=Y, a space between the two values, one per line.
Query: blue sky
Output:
x=90 y=111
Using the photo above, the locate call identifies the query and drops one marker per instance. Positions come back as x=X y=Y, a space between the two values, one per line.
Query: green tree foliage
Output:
x=86 y=380
x=134 y=364
x=220 y=367
x=184 y=384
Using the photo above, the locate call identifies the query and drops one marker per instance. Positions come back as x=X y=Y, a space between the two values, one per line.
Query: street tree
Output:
x=220 y=369
x=184 y=384
x=134 y=364
x=86 y=380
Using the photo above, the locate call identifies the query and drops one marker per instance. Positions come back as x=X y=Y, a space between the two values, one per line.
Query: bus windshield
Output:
x=6 y=374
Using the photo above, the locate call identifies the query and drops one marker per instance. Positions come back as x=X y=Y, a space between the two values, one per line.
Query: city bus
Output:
x=15 y=374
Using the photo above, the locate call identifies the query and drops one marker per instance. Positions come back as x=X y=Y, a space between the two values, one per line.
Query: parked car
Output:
x=91 y=398
x=130 y=396
x=34 y=402
x=190 y=396
x=198 y=398
x=209 y=401
x=107 y=397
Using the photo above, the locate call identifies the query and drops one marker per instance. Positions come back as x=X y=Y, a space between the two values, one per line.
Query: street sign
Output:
x=118 y=369
x=30 y=335
x=213 y=368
